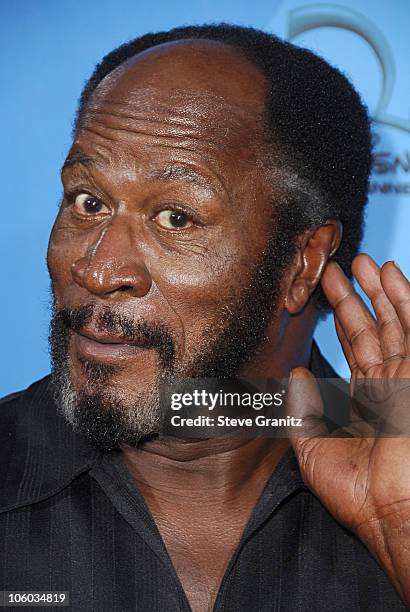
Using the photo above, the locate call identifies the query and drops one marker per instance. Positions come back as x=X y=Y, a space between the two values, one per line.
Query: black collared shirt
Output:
x=72 y=519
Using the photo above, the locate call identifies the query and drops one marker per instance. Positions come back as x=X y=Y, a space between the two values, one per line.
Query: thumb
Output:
x=304 y=402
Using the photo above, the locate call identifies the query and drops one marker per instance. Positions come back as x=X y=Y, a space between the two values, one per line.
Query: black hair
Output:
x=316 y=122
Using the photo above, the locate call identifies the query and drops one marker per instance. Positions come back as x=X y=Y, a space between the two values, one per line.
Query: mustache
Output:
x=148 y=335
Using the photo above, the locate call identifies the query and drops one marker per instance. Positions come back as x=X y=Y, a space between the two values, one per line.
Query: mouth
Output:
x=105 y=348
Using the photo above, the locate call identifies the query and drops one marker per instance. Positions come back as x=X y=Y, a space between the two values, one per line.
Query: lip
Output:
x=105 y=348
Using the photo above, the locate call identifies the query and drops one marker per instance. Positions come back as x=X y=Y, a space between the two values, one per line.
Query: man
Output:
x=212 y=174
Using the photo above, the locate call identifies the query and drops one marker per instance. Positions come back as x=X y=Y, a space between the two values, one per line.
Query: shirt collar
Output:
x=40 y=454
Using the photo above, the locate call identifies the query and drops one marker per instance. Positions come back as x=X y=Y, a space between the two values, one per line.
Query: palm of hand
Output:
x=365 y=479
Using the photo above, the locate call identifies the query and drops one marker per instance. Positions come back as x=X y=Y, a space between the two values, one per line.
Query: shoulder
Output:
x=34 y=434
x=43 y=383
x=10 y=399
x=8 y=412
x=15 y=408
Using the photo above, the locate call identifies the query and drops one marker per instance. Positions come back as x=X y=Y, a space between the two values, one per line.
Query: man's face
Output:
x=160 y=257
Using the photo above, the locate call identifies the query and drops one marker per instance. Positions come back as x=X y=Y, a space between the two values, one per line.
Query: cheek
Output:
x=64 y=248
x=204 y=289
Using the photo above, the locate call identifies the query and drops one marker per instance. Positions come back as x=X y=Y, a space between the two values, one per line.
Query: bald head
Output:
x=196 y=66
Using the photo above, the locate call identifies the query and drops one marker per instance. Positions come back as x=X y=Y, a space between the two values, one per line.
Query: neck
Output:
x=218 y=470
x=201 y=495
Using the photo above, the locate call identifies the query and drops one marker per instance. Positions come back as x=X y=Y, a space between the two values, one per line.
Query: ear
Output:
x=314 y=249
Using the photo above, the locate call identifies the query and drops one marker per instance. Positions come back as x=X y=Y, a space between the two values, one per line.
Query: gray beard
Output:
x=108 y=418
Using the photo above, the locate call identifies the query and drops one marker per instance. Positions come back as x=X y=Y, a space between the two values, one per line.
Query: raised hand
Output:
x=365 y=481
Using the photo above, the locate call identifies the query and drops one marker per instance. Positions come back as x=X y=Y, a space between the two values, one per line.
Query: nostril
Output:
x=107 y=276
x=78 y=269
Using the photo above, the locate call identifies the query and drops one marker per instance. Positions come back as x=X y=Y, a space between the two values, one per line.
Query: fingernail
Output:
x=396 y=264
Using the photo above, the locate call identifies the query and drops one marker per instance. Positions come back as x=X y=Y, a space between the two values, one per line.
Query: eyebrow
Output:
x=172 y=172
x=188 y=174
x=81 y=159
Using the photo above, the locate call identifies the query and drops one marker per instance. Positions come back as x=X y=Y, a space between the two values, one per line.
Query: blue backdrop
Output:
x=49 y=48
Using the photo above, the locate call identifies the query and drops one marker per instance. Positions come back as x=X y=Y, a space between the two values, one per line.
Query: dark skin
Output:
x=178 y=128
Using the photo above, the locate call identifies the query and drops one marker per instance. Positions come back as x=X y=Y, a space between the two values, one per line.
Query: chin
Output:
x=106 y=410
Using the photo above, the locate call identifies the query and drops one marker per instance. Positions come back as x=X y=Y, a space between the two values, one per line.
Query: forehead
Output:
x=199 y=72
x=192 y=98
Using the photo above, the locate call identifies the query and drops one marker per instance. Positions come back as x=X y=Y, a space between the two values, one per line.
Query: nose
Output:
x=113 y=265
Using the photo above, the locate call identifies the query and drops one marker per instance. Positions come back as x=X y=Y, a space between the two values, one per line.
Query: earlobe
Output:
x=298 y=296
x=315 y=248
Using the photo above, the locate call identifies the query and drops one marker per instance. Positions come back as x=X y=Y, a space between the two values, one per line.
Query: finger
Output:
x=397 y=289
x=392 y=339
x=304 y=404
x=347 y=349
x=354 y=317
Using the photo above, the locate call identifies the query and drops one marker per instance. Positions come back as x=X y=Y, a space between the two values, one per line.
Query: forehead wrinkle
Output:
x=152 y=99
x=207 y=148
x=184 y=122
x=201 y=112
x=170 y=126
x=174 y=171
x=185 y=143
x=134 y=129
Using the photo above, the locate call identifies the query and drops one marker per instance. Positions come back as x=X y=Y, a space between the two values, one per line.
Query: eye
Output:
x=173 y=219
x=86 y=204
